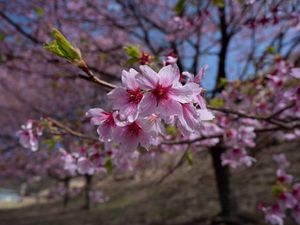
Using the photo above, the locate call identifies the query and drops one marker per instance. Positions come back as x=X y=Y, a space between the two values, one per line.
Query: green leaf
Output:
x=171 y=130
x=108 y=165
x=51 y=143
x=271 y=50
x=189 y=157
x=63 y=48
x=39 y=11
x=2 y=37
x=219 y=3
x=179 y=7
x=217 y=102
x=223 y=83
x=277 y=190
x=133 y=51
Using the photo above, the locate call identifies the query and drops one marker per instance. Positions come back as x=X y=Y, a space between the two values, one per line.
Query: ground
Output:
x=187 y=197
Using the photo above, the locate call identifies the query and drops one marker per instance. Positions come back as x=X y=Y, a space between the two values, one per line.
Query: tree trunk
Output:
x=87 y=189
x=66 y=194
x=222 y=175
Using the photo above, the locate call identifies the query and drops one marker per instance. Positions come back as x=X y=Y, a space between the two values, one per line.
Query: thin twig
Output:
x=70 y=130
x=172 y=170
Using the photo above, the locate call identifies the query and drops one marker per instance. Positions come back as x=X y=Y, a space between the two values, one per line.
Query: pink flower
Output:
x=85 y=166
x=98 y=197
x=105 y=121
x=199 y=77
x=281 y=161
x=283 y=177
x=28 y=135
x=236 y=157
x=127 y=99
x=131 y=134
x=296 y=73
x=296 y=191
x=273 y=214
x=164 y=92
x=171 y=59
x=287 y=200
x=296 y=213
x=189 y=120
x=69 y=162
x=204 y=113
x=153 y=125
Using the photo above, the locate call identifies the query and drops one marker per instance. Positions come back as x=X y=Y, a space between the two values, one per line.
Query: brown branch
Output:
x=19 y=28
x=70 y=130
x=92 y=77
x=188 y=141
x=172 y=170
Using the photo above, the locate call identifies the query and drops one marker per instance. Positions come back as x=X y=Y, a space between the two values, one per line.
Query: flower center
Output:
x=135 y=96
x=133 y=129
x=110 y=119
x=160 y=92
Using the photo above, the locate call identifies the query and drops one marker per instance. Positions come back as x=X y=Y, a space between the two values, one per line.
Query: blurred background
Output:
x=237 y=39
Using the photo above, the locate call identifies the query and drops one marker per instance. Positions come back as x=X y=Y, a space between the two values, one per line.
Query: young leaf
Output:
x=219 y=3
x=217 y=102
x=108 y=164
x=39 y=11
x=179 y=7
x=132 y=51
x=189 y=157
x=63 y=48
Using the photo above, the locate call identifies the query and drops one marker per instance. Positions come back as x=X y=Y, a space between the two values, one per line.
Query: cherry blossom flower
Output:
x=189 y=120
x=281 y=161
x=236 y=157
x=85 y=166
x=296 y=191
x=171 y=59
x=105 y=122
x=273 y=214
x=296 y=213
x=286 y=200
x=69 y=162
x=29 y=134
x=127 y=98
x=283 y=177
x=131 y=134
x=164 y=92
x=204 y=113
x=296 y=73
x=98 y=197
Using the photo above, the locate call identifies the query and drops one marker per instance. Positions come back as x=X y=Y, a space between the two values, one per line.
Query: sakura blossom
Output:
x=29 y=134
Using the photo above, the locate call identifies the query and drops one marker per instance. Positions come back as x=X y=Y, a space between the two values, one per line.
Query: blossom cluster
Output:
x=287 y=192
x=253 y=100
x=147 y=102
x=85 y=161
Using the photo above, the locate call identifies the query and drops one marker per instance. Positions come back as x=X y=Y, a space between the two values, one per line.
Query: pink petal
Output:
x=119 y=96
x=168 y=75
x=186 y=93
x=199 y=77
x=130 y=111
x=128 y=79
x=149 y=79
x=205 y=115
x=94 y=112
x=169 y=107
x=296 y=73
x=148 y=104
